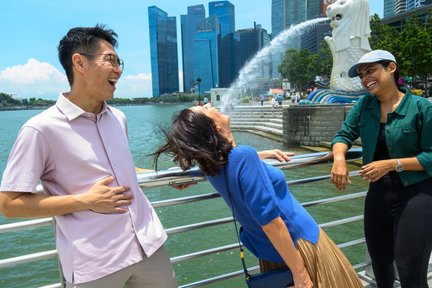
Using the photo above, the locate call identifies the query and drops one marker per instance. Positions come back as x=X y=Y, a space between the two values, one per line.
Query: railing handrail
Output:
x=176 y=176
x=5 y=228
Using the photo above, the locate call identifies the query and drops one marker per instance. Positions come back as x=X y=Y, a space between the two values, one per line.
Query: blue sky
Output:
x=31 y=30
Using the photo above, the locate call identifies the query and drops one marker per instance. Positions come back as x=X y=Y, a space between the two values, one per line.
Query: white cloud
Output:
x=33 y=79
x=139 y=85
x=134 y=86
x=36 y=79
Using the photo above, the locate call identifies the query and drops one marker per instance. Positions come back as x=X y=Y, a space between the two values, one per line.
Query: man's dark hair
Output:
x=82 y=40
x=194 y=139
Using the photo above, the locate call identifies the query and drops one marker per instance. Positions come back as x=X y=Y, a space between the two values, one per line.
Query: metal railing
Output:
x=177 y=176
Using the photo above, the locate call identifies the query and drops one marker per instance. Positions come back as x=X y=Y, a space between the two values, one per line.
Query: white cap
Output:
x=370 y=57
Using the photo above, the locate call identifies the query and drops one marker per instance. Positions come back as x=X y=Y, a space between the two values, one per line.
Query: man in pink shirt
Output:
x=108 y=234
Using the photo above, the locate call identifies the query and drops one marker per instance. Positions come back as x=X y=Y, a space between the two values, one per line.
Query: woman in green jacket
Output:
x=395 y=128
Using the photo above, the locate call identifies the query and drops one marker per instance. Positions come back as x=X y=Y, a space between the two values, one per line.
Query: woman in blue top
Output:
x=396 y=132
x=275 y=227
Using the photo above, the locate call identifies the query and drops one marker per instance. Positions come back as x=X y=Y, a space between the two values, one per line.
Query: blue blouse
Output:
x=259 y=195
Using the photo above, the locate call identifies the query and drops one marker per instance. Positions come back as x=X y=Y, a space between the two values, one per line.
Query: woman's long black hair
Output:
x=194 y=139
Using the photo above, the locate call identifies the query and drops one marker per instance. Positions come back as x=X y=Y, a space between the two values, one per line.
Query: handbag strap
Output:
x=246 y=272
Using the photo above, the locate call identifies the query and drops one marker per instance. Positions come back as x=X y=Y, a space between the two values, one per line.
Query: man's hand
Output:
x=275 y=154
x=101 y=198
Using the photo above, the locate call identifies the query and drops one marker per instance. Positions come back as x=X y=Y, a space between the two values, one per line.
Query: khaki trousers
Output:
x=153 y=272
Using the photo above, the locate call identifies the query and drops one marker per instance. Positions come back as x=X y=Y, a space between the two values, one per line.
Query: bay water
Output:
x=144 y=126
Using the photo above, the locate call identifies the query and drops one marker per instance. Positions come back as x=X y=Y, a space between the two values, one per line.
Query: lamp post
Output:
x=198 y=80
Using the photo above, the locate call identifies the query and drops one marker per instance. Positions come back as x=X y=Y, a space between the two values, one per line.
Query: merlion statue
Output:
x=351 y=30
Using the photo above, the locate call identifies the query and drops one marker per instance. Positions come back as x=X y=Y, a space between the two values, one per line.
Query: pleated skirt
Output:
x=327 y=265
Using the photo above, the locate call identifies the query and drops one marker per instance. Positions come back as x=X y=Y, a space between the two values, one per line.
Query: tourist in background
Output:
x=279 y=99
x=108 y=234
x=274 y=102
x=275 y=227
x=395 y=129
x=262 y=98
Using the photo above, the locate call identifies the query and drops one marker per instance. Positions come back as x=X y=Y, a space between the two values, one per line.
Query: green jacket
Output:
x=408 y=132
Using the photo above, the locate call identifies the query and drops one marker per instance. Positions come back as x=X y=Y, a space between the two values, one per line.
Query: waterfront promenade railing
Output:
x=176 y=176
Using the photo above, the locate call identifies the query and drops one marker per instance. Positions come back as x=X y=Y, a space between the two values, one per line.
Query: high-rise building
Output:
x=277 y=17
x=315 y=36
x=295 y=12
x=393 y=7
x=400 y=6
x=412 y=4
x=206 y=49
x=163 y=51
x=313 y=9
x=189 y=26
x=389 y=8
x=291 y=12
x=251 y=41
x=286 y=13
x=225 y=13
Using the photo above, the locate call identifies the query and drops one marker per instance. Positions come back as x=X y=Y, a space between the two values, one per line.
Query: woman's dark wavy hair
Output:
x=194 y=139
x=82 y=40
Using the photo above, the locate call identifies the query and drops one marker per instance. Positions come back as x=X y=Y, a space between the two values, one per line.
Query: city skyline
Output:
x=32 y=29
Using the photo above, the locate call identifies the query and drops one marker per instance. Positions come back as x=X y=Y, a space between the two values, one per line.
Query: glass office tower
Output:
x=163 y=52
x=224 y=11
x=277 y=17
x=189 y=26
x=206 y=49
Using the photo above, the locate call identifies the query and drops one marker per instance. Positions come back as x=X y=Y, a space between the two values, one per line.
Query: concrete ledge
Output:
x=258 y=128
x=261 y=120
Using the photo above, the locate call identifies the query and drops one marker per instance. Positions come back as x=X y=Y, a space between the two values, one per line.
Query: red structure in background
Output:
x=324 y=4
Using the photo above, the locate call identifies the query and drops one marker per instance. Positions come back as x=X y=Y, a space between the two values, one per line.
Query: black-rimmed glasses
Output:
x=112 y=58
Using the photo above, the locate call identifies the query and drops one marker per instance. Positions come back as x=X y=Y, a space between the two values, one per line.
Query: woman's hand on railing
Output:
x=275 y=154
x=182 y=186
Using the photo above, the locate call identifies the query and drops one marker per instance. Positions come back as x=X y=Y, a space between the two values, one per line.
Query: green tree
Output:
x=298 y=67
x=7 y=100
x=382 y=36
x=415 y=51
x=412 y=47
x=324 y=61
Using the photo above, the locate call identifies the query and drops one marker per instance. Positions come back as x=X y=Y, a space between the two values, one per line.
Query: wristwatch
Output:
x=399 y=166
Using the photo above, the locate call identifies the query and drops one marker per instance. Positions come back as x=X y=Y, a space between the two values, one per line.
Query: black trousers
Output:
x=398 y=227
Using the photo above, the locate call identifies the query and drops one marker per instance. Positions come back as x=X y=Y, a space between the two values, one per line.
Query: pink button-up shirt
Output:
x=68 y=150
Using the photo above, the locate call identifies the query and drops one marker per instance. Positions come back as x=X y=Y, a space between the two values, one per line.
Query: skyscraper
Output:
x=412 y=4
x=225 y=13
x=392 y=7
x=250 y=42
x=389 y=8
x=286 y=13
x=295 y=12
x=189 y=26
x=206 y=49
x=277 y=17
x=163 y=52
x=400 y=6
